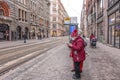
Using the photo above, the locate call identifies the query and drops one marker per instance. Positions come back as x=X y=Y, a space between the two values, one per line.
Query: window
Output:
x=35 y=18
x=25 y=16
x=111 y=28
x=54 y=5
x=31 y=18
x=24 y=1
x=54 y=10
x=22 y=15
x=54 y=26
x=111 y=2
x=1 y=12
x=100 y=32
x=19 y=14
x=117 y=30
x=54 y=18
x=100 y=9
x=101 y=4
x=31 y=4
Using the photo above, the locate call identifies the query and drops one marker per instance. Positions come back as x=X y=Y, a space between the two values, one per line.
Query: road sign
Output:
x=67 y=21
x=72 y=28
x=73 y=20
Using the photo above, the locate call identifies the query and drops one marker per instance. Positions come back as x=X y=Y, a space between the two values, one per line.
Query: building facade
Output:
x=103 y=19
x=19 y=17
x=57 y=15
x=113 y=23
x=83 y=23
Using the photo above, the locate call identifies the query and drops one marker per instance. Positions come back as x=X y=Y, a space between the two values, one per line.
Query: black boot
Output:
x=76 y=77
x=73 y=70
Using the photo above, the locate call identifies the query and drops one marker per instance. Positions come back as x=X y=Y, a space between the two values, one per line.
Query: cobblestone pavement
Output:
x=102 y=63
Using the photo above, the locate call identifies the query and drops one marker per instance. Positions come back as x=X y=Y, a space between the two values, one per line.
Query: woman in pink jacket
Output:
x=78 y=53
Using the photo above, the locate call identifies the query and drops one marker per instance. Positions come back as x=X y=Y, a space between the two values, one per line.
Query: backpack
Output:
x=85 y=43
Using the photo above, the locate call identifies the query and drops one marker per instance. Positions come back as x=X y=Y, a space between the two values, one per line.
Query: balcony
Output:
x=100 y=14
x=111 y=3
x=5 y=18
x=93 y=17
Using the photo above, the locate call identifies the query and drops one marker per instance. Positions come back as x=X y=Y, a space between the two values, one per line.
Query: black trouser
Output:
x=24 y=40
x=77 y=69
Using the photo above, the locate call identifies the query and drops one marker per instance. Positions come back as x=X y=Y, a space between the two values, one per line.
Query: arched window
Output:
x=1 y=12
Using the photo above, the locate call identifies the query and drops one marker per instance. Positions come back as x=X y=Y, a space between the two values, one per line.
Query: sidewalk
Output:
x=103 y=63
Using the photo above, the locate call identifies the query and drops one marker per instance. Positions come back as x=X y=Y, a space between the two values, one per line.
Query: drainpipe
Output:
x=119 y=13
x=119 y=6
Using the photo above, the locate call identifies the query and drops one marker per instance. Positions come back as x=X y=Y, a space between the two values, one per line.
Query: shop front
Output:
x=4 y=32
x=100 y=32
x=19 y=32
x=114 y=29
x=27 y=32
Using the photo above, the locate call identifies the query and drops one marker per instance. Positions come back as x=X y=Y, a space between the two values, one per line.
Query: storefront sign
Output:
x=74 y=20
x=67 y=21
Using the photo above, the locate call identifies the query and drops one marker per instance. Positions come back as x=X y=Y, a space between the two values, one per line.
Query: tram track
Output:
x=16 y=58
x=19 y=53
x=20 y=47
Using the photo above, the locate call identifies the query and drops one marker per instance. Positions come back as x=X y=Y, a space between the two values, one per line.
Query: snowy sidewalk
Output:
x=103 y=63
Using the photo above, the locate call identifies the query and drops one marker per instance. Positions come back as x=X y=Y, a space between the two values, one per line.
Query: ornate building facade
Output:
x=19 y=17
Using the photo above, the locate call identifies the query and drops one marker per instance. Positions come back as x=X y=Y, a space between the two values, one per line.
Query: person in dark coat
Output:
x=77 y=52
x=24 y=37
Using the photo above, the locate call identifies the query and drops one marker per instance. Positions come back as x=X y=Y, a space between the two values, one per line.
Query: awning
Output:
x=5 y=18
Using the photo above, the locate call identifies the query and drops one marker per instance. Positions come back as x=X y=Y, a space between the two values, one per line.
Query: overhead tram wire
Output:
x=72 y=9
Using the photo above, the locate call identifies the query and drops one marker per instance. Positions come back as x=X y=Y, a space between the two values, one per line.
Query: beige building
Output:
x=19 y=17
x=58 y=13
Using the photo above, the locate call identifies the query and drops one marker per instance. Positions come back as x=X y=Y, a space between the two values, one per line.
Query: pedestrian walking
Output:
x=92 y=36
x=24 y=37
x=77 y=52
x=93 y=40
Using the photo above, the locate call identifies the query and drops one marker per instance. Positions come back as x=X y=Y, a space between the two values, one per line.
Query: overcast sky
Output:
x=73 y=7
